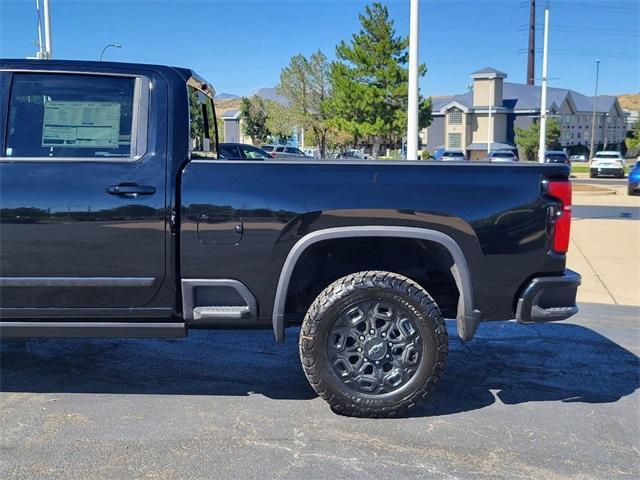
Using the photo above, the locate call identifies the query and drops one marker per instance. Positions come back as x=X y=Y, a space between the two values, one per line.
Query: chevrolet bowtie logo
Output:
x=376 y=348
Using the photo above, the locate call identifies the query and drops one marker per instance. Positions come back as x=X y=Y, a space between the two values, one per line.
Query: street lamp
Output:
x=593 y=118
x=114 y=45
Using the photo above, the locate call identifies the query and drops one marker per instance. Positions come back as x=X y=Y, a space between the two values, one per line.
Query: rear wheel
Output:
x=373 y=344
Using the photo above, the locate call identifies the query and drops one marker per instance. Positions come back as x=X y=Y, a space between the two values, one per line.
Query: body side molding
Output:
x=77 y=281
x=468 y=317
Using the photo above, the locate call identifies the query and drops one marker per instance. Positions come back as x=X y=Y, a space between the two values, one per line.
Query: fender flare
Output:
x=468 y=317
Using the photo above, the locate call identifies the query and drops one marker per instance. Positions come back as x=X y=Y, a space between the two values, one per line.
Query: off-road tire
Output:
x=394 y=289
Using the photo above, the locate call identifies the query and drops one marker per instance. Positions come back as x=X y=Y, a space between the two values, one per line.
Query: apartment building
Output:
x=488 y=114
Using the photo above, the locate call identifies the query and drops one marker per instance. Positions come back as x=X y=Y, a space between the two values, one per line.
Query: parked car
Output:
x=282 y=151
x=131 y=225
x=578 y=158
x=453 y=156
x=556 y=156
x=607 y=163
x=241 y=151
x=502 y=156
x=633 y=187
x=312 y=152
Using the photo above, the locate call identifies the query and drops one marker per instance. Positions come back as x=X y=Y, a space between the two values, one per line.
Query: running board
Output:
x=92 y=329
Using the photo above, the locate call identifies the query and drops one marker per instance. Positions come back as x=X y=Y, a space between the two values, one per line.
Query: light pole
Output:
x=412 y=111
x=542 y=143
x=114 y=45
x=593 y=117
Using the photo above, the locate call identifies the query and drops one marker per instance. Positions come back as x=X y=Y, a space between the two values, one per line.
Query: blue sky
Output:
x=241 y=45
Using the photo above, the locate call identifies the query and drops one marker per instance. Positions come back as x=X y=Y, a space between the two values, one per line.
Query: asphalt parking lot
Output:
x=548 y=401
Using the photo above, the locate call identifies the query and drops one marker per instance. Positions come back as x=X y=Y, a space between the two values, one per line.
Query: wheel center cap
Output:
x=376 y=348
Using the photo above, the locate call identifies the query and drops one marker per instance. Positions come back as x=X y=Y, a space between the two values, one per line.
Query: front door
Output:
x=83 y=220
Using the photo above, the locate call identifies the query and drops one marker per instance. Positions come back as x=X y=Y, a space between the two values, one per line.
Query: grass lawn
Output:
x=579 y=168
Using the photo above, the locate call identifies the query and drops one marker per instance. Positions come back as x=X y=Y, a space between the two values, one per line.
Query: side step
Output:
x=222 y=313
x=217 y=302
x=92 y=329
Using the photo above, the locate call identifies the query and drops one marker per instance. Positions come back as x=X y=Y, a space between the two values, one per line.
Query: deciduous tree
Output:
x=254 y=119
x=528 y=139
x=306 y=85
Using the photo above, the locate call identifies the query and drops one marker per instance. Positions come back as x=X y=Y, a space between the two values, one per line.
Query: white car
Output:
x=607 y=163
x=453 y=156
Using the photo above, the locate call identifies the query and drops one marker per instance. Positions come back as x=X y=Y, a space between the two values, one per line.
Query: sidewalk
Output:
x=605 y=249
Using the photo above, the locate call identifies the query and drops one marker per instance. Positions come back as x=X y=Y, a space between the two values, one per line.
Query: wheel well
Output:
x=426 y=262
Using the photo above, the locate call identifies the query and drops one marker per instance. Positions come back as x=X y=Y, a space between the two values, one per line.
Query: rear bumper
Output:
x=607 y=170
x=549 y=299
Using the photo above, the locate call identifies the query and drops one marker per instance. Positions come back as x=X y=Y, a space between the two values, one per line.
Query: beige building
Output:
x=488 y=114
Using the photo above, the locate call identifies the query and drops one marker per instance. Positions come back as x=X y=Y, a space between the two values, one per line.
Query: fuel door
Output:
x=220 y=229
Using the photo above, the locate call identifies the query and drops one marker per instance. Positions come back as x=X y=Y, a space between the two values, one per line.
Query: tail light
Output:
x=561 y=228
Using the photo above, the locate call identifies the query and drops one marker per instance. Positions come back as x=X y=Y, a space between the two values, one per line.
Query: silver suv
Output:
x=282 y=151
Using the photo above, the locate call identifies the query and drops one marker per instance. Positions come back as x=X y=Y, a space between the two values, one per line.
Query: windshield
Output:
x=502 y=154
x=453 y=154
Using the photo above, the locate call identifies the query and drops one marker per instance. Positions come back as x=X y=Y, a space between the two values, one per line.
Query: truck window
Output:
x=202 y=124
x=70 y=116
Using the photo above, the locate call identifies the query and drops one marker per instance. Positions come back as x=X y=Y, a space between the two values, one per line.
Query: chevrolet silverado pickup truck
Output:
x=117 y=218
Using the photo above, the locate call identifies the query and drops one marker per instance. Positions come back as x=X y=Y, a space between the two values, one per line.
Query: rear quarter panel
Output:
x=496 y=213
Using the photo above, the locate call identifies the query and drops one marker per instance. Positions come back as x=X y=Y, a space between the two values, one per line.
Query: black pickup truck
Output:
x=117 y=218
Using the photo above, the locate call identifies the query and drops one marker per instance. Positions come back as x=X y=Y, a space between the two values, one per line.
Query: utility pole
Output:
x=531 y=57
x=542 y=144
x=412 y=111
x=593 y=117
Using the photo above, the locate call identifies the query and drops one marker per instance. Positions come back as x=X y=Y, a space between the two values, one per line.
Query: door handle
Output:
x=130 y=190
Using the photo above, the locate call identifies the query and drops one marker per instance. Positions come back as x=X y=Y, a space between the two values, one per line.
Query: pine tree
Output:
x=370 y=81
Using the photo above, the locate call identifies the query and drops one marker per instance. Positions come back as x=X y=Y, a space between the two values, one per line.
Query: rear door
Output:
x=82 y=190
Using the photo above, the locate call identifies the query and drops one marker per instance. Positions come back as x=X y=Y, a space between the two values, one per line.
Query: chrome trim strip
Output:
x=77 y=281
x=86 y=312
x=459 y=270
x=92 y=329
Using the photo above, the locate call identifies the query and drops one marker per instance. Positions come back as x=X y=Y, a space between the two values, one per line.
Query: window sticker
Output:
x=81 y=124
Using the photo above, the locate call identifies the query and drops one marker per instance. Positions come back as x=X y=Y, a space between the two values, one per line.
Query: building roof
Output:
x=231 y=114
x=517 y=96
x=488 y=72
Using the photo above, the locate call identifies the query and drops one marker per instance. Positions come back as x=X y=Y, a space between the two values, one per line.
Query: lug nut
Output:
x=372 y=331
x=361 y=337
x=359 y=349
x=377 y=362
x=388 y=356
x=390 y=344
x=384 y=334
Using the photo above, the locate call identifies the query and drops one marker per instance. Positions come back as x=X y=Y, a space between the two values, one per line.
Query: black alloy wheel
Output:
x=373 y=344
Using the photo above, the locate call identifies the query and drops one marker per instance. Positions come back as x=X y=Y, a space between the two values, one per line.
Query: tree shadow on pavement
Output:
x=516 y=364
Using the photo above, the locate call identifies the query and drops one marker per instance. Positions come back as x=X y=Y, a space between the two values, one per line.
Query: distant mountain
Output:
x=226 y=96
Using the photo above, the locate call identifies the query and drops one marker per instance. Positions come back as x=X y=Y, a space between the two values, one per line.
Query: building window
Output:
x=455 y=117
x=455 y=140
